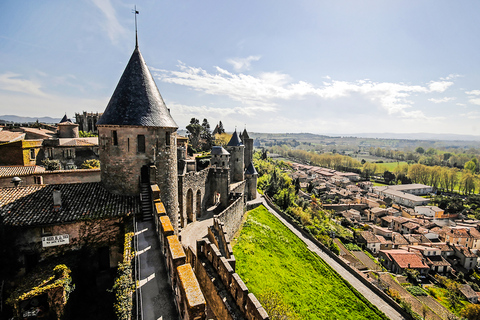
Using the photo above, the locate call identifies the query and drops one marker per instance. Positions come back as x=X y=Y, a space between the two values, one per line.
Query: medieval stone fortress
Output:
x=123 y=223
x=86 y=217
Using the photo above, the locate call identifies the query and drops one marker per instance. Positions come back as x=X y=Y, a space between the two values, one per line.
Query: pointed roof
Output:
x=219 y=150
x=136 y=100
x=251 y=169
x=245 y=134
x=65 y=119
x=235 y=140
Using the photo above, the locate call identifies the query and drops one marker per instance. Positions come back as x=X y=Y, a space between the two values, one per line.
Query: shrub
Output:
x=51 y=165
x=416 y=291
x=90 y=164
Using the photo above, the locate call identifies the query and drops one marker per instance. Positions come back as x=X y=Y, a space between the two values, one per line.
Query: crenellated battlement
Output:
x=211 y=265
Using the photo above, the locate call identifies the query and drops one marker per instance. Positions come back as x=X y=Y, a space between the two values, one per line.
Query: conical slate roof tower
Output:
x=136 y=100
x=137 y=138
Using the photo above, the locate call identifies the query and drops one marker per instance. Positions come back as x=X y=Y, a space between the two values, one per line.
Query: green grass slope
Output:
x=270 y=257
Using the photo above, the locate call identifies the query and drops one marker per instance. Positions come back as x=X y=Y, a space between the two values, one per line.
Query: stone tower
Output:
x=251 y=177
x=220 y=157
x=137 y=138
x=248 y=143
x=236 y=149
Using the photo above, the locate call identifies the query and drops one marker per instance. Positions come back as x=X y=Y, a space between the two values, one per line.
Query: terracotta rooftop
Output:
x=369 y=237
x=33 y=205
x=16 y=171
x=65 y=142
x=8 y=136
x=458 y=233
x=405 y=259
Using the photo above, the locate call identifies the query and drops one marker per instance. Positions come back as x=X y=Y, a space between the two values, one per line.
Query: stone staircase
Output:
x=146 y=202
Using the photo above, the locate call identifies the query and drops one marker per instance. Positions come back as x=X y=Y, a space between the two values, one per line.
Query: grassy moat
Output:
x=271 y=258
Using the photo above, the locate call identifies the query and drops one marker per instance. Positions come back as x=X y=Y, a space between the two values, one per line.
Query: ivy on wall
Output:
x=57 y=286
x=124 y=285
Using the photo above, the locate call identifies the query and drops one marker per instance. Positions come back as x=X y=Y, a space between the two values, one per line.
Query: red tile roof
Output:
x=8 y=136
x=405 y=259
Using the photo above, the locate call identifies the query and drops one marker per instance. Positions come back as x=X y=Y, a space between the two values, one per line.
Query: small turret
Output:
x=236 y=149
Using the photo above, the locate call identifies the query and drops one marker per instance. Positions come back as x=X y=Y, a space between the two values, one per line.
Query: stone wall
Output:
x=232 y=217
x=92 y=235
x=228 y=298
x=218 y=183
x=343 y=207
x=193 y=183
x=56 y=177
x=218 y=236
x=189 y=298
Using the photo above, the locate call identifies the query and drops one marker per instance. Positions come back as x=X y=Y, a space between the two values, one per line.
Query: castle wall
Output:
x=195 y=181
x=189 y=299
x=218 y=183
x=228 y=298
x=232 y=217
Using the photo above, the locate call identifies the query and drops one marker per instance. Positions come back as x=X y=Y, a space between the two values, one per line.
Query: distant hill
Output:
x=12 y=118
x=417 y=136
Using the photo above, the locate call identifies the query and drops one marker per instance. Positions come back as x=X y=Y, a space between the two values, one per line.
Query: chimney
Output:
x=57 y=199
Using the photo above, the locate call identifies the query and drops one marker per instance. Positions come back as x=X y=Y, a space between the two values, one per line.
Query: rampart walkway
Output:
x=357 y=284
x=156 y=293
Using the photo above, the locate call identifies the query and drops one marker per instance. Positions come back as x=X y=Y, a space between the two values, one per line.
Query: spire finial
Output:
x=136 y=35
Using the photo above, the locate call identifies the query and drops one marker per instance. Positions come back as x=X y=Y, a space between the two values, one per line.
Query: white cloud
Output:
x=111 y=25
x=473 y=92
x=12 y=82
x=445 y=99
x=471 y=115
x=475 y=101
x=267 y=89
x=240 y=64
x=439 y=86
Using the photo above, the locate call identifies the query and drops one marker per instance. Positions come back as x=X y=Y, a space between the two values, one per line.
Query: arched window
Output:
x=141 y=143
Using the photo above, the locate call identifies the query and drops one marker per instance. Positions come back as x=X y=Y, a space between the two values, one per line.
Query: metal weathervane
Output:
x=136 y=37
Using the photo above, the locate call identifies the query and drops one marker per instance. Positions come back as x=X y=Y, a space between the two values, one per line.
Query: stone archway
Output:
x=189 y=208
x=199 y=204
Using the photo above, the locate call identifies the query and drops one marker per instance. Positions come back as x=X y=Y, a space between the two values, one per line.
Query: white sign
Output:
x=51 y=241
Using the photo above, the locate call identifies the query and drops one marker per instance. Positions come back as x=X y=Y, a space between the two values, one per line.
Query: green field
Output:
x=390 y=166
x=270 y=257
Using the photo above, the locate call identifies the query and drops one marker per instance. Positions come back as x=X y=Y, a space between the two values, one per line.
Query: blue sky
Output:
x=273 y=66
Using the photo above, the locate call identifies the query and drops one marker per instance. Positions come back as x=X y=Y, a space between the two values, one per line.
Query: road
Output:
x=357 y=284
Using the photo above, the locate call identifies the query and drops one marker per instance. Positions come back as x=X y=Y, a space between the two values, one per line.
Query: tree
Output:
x=369 y=169
x=206 y=136
x=51 y=165
x=388 y=176
x=471 y=312
x=420 y=150
x=220 y=127
x=222 y=139
x=468 y=183
x=194 y=131
x=470 y=166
